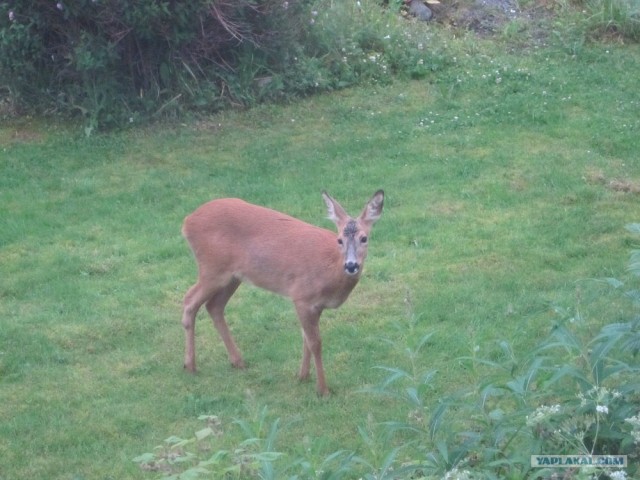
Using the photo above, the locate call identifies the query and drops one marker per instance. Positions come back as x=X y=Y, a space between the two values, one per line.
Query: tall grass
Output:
x=615 y=17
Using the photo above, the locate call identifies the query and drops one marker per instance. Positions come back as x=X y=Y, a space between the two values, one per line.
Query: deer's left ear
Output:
x=373 y=209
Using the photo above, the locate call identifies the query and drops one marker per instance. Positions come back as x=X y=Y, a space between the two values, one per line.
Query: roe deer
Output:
x=234 y=241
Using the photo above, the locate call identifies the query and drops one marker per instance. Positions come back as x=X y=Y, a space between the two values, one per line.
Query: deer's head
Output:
x=353 y=233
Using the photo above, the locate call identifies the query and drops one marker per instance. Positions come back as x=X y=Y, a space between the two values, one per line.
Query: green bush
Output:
x=112 y=60
x=115 y=61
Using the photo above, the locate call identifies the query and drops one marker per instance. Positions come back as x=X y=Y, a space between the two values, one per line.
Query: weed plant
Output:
x=571 y=395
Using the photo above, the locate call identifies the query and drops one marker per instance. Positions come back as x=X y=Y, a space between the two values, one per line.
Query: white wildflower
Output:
x=618 y=475
x=635 y=432
x=542 y=413
x=602 y=409
x=456 y=474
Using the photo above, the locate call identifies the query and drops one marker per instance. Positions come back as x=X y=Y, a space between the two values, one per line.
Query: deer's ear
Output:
x=335 y=212
x=373 y=209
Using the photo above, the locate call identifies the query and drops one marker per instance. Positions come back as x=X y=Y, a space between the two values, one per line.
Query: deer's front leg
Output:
x=310 y=322
x=306 y=359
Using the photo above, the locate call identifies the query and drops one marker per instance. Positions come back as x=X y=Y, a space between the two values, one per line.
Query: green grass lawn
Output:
x=509 y=178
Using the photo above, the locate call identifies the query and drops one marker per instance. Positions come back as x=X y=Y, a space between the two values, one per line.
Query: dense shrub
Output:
x=118 y=60
x=121 y=57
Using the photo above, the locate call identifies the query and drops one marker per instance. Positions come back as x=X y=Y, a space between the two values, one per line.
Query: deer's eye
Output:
x=339 y=241
x=363 y=239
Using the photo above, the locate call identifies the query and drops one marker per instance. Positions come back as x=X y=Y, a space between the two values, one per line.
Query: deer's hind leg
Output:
x=215 y=306
x=193 y=300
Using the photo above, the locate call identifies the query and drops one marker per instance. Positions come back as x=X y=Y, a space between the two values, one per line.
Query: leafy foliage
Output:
x=116 y=61
x=109 y=59
x=254 y=457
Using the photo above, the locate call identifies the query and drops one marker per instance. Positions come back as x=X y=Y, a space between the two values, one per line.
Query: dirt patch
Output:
x=25 y=136
x=484 y=17
x=20 y=132
x=625 y=185
x=490 y=17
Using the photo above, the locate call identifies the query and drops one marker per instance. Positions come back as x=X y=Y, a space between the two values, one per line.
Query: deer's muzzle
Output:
x=351 y=268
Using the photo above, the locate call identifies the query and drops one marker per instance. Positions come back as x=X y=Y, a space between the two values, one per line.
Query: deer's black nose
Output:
x=351 y=268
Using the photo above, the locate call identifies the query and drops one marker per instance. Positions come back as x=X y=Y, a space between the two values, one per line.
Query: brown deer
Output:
x=234 y=241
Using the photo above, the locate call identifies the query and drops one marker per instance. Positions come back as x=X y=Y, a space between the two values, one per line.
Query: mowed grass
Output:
x=508 y=178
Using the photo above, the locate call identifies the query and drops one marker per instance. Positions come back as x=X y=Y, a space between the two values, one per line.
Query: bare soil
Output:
x=490 y=17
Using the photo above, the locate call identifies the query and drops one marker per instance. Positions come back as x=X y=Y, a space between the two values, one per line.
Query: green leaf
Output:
x=412 y=395
x=174 y=441
x=423 y=341
x=437 y=418
x=204 y=433
x=145 y=458
x=443 y=450
x=396 y=374
x=569 y=371
x=614 y=282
